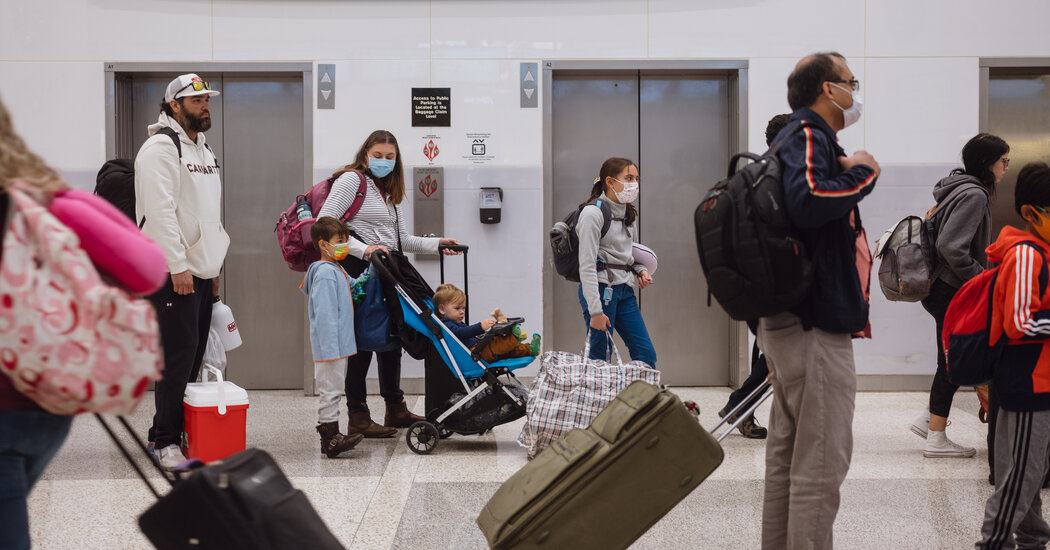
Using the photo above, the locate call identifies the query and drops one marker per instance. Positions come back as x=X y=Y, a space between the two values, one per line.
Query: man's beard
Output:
x=195 y=123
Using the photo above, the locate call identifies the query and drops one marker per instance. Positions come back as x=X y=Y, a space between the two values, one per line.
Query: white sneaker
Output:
x=939 y=446
x=170 y=457
x=921 y=425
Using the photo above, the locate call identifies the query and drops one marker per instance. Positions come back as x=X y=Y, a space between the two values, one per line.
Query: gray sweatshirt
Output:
x=964 y=228
x=613 y=248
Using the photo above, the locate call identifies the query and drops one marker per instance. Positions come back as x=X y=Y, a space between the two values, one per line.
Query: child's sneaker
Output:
x=921 y=425
x=939 y=446
x=534 y=345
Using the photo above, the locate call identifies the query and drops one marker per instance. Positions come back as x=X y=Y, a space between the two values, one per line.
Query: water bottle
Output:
x=302 y=210
x=224 y=325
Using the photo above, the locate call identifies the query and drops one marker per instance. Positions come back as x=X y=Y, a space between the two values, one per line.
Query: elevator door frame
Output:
x=737 y=72
x=284 y=69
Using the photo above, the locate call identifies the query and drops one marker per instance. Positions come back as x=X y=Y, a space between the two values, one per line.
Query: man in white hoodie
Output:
x=178 y=200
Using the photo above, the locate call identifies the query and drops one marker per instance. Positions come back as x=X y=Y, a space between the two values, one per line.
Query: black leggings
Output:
x=942 y=392
x=389 y=378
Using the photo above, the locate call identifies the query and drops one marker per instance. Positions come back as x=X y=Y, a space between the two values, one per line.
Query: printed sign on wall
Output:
x=431 y=107
x=428 y=184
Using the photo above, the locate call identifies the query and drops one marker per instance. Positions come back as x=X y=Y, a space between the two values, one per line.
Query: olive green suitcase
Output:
x=605 y=486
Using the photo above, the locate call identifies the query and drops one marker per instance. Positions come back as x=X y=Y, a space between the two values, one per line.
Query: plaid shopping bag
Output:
x=570 y=390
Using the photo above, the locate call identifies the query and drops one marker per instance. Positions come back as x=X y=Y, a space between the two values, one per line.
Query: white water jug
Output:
x=223 y=323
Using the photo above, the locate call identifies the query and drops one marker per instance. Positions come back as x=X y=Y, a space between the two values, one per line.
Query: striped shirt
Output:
x=376 y=222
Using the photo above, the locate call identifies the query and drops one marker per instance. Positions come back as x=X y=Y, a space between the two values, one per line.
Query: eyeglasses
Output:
x=1006 y=162
x=197 y=86
x=1041 y=209
x=854 y=84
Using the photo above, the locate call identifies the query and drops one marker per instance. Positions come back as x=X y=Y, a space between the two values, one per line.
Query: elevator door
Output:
x=676 y=126
x=257 y=135
x=1018 y=112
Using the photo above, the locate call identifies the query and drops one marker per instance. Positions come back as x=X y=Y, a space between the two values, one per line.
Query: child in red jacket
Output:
x=1021 y=311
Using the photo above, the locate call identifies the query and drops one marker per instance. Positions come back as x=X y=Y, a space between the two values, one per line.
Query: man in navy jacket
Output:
x=809 y=349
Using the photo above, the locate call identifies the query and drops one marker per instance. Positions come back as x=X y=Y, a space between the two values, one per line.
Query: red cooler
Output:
x=216 y=417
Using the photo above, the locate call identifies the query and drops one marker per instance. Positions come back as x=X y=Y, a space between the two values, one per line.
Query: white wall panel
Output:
x=57 y=109
x=266 y=30
x=949 y=28
x=782 y=28
x=920 y=110
x=539 y=28
x=370 y=95
x=114 y=30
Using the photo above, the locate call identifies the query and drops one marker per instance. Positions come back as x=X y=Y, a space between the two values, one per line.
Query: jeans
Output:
x=389 y=364
x=942 y=392
x=28 y=441
x=626 y=318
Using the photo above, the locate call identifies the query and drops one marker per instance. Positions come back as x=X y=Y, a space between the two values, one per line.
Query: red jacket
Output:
x=1021 y=310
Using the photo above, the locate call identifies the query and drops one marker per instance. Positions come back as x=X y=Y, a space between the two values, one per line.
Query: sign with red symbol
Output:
x=428 y=206
x=430 y=150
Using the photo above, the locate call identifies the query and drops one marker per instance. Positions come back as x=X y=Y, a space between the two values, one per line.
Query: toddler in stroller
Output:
x=450 y=305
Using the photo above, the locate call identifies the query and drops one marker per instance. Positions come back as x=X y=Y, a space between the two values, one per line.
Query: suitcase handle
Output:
x=610 y=423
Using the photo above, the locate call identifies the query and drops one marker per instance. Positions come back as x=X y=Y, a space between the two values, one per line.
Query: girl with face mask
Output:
x=608 y=272
x=378 y=225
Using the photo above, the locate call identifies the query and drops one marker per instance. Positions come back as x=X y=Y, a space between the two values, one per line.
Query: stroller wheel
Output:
x=422 y=437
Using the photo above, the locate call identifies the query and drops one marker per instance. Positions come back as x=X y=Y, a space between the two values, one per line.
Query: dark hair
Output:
x=165 y=107
x=979 y=154
x=807 y=80
x=394 y=184
x=326 y=229
x=775 y=125
x=1033 y=186
x=610 y=169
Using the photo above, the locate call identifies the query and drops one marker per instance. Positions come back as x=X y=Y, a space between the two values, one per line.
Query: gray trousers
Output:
x=810 y=431
x=329 y=379
x=1022 y=445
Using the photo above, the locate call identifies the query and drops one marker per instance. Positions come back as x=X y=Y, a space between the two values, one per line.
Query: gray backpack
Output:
x=908 y=251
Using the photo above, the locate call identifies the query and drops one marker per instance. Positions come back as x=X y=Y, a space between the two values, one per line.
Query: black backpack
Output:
x=115 y=181
x=565 y=244
x=754 y=260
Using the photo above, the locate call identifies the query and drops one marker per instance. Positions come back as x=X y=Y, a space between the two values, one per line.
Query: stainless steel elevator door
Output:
x=684 y=151
x=676 y=126
x=263 y=155
x=257 y=135
x=595 y=116
x=1018 y=112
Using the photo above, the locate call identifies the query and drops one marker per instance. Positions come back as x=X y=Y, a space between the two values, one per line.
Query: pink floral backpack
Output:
x=68 y=341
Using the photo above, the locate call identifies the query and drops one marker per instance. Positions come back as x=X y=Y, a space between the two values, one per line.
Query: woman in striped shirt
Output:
x=378 y=225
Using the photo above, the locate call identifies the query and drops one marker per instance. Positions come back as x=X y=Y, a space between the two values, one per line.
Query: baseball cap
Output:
x=187 y=85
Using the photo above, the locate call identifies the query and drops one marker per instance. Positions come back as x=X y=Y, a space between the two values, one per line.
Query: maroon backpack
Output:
x=293 y=235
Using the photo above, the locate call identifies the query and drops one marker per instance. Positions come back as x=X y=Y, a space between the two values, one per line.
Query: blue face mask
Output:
x=380 y=168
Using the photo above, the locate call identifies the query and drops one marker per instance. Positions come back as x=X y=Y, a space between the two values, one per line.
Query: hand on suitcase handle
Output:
x=452 y=249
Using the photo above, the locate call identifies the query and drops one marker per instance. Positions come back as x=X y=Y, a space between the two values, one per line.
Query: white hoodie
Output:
x=181 y=201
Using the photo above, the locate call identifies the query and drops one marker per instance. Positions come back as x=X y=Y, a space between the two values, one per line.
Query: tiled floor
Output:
x=384 y=496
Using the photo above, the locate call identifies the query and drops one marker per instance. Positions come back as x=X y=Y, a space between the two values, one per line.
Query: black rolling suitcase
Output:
x=241 y=502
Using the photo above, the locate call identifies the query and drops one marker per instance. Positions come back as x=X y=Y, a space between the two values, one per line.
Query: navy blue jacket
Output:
x=820 y=196
x=468 y=334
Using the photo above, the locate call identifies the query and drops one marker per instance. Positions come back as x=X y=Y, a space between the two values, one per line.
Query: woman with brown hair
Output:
x=378 y=225
x=608 y=272
x=29 y=435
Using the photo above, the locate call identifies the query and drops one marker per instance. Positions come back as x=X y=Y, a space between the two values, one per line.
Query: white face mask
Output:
x=851 y=115
x=629 y=193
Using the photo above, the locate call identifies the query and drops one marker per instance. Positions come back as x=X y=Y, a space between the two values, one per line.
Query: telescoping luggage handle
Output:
x=127 y=455
x=755 y=399
x=466 y=280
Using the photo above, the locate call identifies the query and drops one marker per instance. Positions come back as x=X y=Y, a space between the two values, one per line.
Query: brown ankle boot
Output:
x=361 y=422
x=334 y=443
x=398 y=416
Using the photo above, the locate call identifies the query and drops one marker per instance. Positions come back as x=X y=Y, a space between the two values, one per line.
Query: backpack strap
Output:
x=359 y=199
x=171 y=133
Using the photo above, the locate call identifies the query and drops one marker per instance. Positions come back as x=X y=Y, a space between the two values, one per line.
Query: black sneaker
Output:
x=750 y=429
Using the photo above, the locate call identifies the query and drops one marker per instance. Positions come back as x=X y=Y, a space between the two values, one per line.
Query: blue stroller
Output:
x=464 y=394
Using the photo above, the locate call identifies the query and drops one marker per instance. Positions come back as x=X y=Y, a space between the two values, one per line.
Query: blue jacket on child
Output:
x=331 y=311
x=468 y=334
